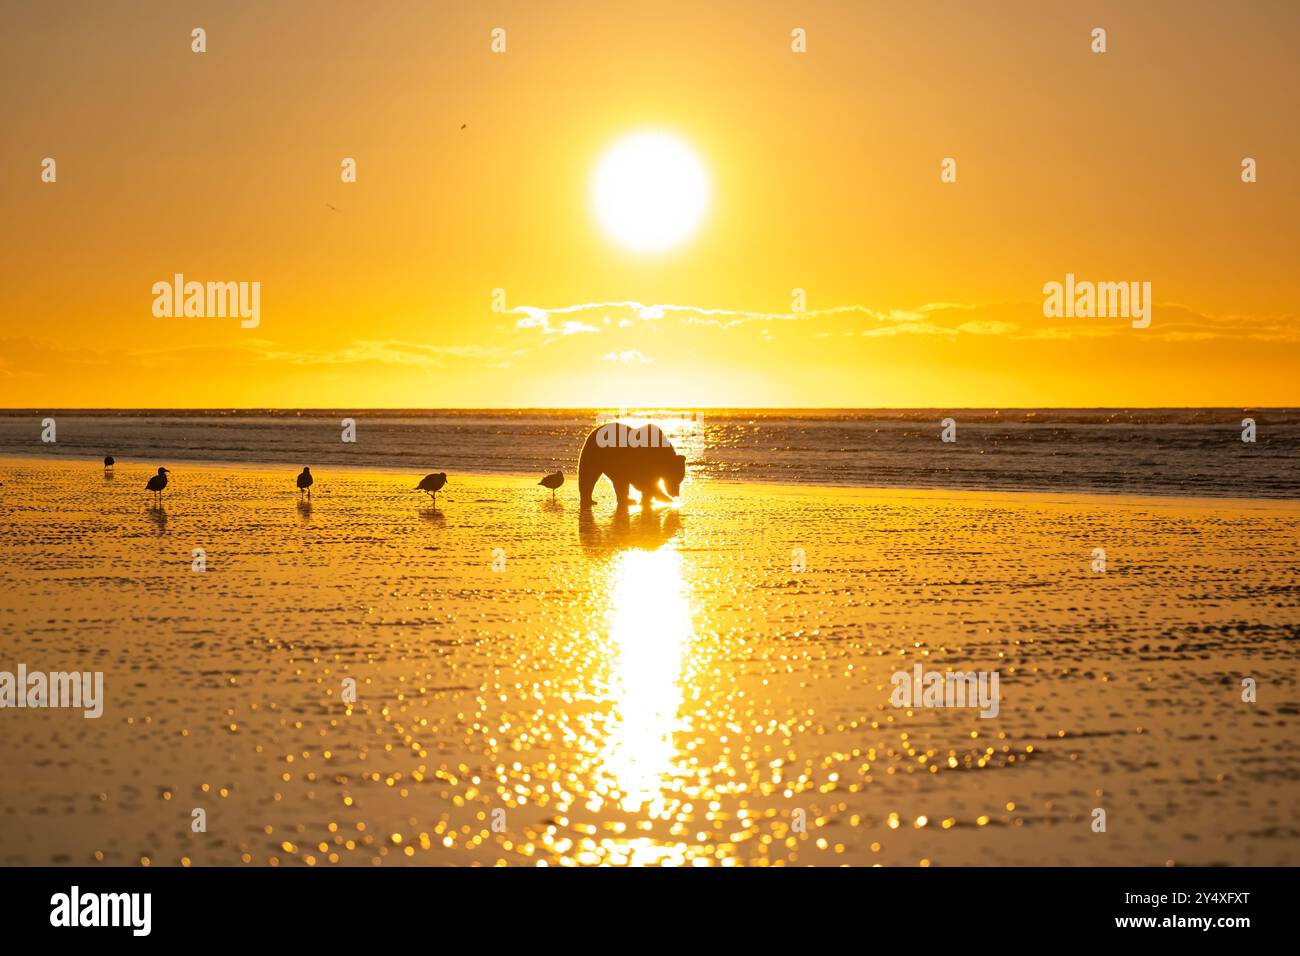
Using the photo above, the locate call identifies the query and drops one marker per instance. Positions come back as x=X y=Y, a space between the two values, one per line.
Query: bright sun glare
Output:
x=650 y=191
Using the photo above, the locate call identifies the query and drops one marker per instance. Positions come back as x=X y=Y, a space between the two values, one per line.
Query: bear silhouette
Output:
x=637 y=458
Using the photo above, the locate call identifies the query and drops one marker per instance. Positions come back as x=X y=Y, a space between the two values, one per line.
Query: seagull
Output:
x=305 y=482
x=335 y=208
x=108 y=462
x=157 y=483
x=432 y=484
x=553 y=481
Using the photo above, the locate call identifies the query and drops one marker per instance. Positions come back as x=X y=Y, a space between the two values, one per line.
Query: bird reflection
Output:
x=304 y=508
x=648 y=530
x=553 y=506
x=433 y=516
x=159 y=517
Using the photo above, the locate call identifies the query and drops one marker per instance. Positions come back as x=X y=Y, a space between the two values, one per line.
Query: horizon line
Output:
x=8 y=410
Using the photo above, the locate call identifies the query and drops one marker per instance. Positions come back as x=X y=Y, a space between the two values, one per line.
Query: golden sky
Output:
x=825 y=176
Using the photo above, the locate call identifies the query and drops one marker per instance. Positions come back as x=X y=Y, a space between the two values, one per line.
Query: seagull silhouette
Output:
x=432 y=484
x=157 y=483
x=305 y=482
x=552 y=481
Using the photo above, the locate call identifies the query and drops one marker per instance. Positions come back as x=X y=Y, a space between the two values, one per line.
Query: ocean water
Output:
x=1144 y=451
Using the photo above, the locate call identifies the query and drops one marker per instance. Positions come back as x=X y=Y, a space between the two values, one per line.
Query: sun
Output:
x=650 y=191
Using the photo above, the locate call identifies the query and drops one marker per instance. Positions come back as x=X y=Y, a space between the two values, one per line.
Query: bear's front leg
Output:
x=621 y=492
x=649 y=495
x=658 y=494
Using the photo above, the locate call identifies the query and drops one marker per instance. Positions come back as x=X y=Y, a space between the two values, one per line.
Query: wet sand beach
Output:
x=706 y=684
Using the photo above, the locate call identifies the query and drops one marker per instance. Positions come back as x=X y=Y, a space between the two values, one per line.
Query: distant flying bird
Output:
x=335 y=208
x=553 y=481
x=305 y=481
x=432 y=484
x=108 y=462
x=157 y=483
x=463 y=125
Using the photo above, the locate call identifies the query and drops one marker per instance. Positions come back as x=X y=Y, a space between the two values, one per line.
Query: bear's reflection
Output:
x=646 y=530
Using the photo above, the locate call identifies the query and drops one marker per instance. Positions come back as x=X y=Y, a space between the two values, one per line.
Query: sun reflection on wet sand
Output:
x=650 y=632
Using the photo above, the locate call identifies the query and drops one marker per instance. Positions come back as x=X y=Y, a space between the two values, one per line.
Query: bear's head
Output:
x=676 y=473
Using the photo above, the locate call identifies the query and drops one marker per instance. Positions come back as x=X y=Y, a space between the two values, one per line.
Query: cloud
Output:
x=540 y=318
x=987 y=327
x=907 y=328
x=28 y=358
x=387 y=352
x=1022 y=320
x=627 y=357
x=535 y=318
x=924 y=319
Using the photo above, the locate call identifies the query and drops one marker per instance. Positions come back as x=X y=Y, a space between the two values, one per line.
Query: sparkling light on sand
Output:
x=654 y=687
